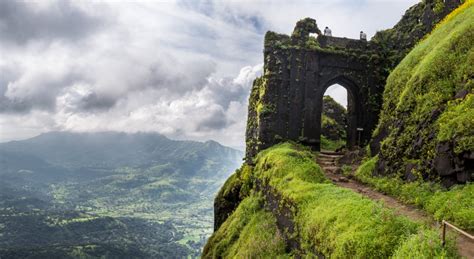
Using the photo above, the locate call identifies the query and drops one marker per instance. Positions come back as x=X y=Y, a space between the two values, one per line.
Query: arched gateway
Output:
x=286 y=101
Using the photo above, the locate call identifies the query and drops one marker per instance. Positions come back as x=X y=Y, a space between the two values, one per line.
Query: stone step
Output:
x=329 y=156
x=332 y=153
x=324 y=155
x=331 y=168
x=327 y=164
x=326 y=159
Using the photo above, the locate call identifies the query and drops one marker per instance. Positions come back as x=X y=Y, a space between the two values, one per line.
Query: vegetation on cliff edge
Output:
x=428 y=99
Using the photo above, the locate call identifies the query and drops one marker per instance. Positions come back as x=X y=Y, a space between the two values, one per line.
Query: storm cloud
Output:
x=21 y=22
x=181 y=68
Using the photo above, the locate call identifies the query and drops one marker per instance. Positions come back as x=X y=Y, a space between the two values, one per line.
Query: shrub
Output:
x=424 y=245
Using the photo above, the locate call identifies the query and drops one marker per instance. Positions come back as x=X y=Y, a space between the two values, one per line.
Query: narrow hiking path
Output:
x=328 y=162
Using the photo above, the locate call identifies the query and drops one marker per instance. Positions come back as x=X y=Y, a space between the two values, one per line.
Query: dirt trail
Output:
x=328 y=162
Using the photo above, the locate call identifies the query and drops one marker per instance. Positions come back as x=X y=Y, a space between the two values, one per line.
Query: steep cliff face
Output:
x=426 y=123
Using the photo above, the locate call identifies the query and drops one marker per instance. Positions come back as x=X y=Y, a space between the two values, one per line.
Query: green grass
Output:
x=334 y=221
x=455 y=205
x=250 y=232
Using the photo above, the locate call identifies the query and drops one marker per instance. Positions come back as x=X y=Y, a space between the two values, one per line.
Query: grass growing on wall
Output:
x=455 y=205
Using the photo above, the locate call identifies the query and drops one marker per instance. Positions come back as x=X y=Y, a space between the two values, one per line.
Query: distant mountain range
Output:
x=84 y=186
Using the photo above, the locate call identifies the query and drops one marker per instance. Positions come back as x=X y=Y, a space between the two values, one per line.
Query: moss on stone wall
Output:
x=255 y=109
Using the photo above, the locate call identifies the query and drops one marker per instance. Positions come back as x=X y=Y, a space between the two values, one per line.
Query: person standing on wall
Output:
x=327 y=31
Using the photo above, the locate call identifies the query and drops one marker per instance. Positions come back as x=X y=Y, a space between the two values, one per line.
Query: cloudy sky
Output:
x=180 y=68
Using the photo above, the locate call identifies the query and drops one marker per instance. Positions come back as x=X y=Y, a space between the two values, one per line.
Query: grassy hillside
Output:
x=286 y=198
x=426 y=122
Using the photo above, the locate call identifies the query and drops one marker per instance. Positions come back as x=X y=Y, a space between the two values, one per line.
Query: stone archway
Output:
x=286 y=102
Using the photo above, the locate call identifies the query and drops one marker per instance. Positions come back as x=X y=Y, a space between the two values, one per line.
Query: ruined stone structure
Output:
x=286 y=102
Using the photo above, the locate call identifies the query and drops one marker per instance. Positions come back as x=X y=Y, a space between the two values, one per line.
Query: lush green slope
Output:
x=109 y=194
x=312 y=215
x=427 y=119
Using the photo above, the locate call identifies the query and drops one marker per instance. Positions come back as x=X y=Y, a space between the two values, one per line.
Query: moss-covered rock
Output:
x=303 y=29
